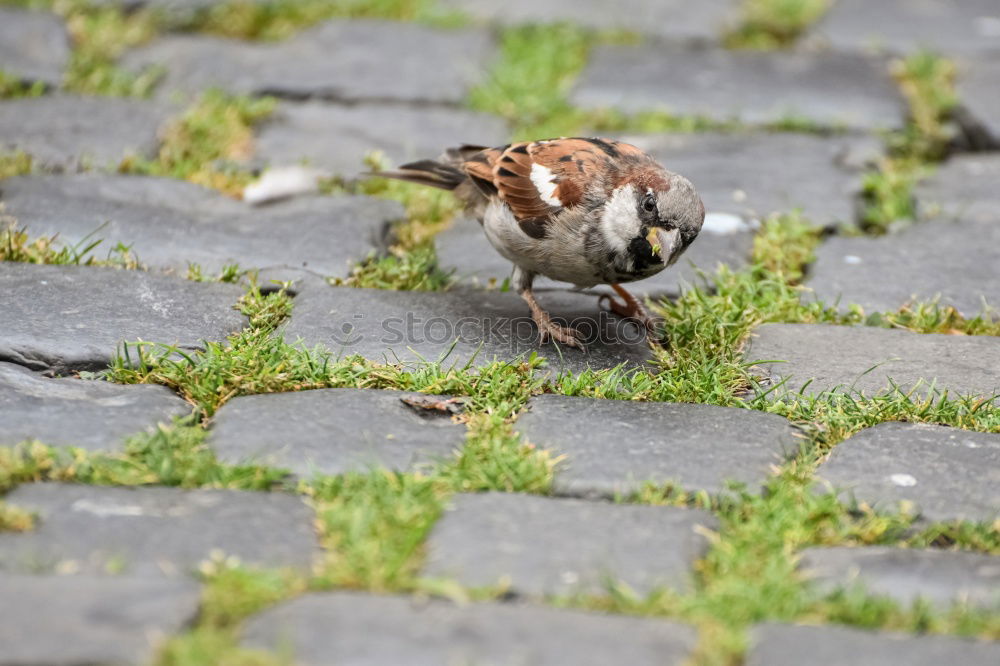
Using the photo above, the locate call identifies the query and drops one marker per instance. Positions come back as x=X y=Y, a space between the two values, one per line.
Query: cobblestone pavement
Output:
x=320 y=430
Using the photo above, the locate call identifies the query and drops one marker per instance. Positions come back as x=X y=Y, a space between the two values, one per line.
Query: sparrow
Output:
x=587 y=211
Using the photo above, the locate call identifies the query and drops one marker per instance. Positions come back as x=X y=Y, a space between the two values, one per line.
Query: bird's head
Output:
x=650 y=219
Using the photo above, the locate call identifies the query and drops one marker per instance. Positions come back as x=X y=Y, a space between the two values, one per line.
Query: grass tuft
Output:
x=530 y=82
x=15 y=519
x=280 y=19
x=373 y=526
x=100 y=36
x=888 y=195
x=13 y=87
x=411 y=264
x=401 y=270
x=17 y=245
x=206 y=144
x=774 y=24
x=173 y=455
x=927 y=82
x=230 y=273
x=15 y=164
x=231 y=594
x=495 y=458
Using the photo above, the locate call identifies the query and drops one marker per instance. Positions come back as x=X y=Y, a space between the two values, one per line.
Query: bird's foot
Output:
x=548 y=329
x=629 y=308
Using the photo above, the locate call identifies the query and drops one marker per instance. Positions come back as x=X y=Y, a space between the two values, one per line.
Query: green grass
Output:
x=230 y=273
x=231 y=593
x=927 y=82
x=17 y=245
x=280 y=19
x=12 y=87
x=529 y=86
x=173 y=455
x=774 y=24
x=372 y=524
x=208 y=142
x=373 y=527
x=750 y=573
x=411 y=263
x=402 y=270
x=99 y=36
x=15 y=519
x=15 y=164
x=529 y=83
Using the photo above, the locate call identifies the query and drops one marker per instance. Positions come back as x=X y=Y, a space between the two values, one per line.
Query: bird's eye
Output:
x=649 y=203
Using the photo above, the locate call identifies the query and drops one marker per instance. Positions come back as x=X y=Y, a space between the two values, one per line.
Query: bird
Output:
x=586 y=211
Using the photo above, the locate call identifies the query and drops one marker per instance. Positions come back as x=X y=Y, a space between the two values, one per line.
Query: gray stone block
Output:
x=750 y=87
x=67 y=621
x=758 y=174
x=154 y=531
x=34 y=46
x=676 y=20
x=333 y=431
x=820 y=357
x=978 y=90
x=791 y=645
x=612 y=446
x=335 y=61
x=954 y=262
x=459 y=327
x=350 y=629
x=94 y=415
x=170 y=224
x=946 y=474
x=963 y=189
x=69 y=132
x=906 y=575
x=337 y=138
x=541 y=546
x=463 y=248
x=950 y=27
x=66 y=318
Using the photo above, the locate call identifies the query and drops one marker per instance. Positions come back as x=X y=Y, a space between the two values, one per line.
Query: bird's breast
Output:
x=559 y=254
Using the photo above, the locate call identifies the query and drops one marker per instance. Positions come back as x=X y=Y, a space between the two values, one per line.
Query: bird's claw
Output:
x=628 y=310
x=549 y=330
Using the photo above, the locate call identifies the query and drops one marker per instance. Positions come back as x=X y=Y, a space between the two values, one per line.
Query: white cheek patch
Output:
x=620 y=222
x=542 y=177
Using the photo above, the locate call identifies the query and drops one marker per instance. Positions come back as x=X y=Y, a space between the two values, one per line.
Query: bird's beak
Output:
x=665 y=243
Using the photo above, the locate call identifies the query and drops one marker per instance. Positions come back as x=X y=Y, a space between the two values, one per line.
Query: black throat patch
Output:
x=640 y=252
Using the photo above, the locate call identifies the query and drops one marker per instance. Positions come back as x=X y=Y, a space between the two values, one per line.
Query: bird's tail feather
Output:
x=427 y=172
x=443 y=173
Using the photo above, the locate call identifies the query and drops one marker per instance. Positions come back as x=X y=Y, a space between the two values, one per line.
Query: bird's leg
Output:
x=547 y=328
x=630 y=309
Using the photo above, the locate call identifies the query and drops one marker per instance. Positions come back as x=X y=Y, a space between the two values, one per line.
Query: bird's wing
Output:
x=540 y=178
